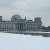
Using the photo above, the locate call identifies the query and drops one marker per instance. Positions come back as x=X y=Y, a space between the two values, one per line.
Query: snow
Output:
x=10 y=41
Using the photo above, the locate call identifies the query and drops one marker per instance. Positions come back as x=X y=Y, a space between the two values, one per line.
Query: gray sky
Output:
x=23 y=42
x=29 y=8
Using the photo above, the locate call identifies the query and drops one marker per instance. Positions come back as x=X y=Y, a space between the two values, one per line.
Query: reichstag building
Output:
x=19 y=24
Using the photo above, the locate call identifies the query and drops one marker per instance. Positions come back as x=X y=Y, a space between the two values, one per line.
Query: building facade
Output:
x=19 y=24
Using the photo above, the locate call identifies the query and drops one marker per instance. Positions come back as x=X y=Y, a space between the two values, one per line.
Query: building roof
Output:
x=16 y=16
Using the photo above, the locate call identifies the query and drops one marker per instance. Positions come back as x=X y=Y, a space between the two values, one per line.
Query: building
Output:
x=19 y=24
x=0 y=18
x=46 y=29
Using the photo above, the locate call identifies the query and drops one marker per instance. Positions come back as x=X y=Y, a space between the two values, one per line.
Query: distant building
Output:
x=19 y=24
x=46 y=29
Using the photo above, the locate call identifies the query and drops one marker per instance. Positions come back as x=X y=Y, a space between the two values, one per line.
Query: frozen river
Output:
x=23 y=42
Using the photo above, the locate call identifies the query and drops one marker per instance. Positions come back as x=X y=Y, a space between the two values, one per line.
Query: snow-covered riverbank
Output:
x=10 y=41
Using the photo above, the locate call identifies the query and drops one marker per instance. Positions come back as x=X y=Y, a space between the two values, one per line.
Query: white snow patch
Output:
x=10 y=41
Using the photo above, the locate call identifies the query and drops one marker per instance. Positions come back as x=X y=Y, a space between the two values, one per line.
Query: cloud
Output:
x=30 y=8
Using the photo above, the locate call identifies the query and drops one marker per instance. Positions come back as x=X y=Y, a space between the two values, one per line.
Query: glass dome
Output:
x=16 y=16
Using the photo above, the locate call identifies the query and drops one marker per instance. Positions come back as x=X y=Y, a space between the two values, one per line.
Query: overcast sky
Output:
x=29 y=8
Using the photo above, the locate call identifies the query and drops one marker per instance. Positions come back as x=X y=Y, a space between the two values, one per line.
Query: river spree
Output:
x=23 y=42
